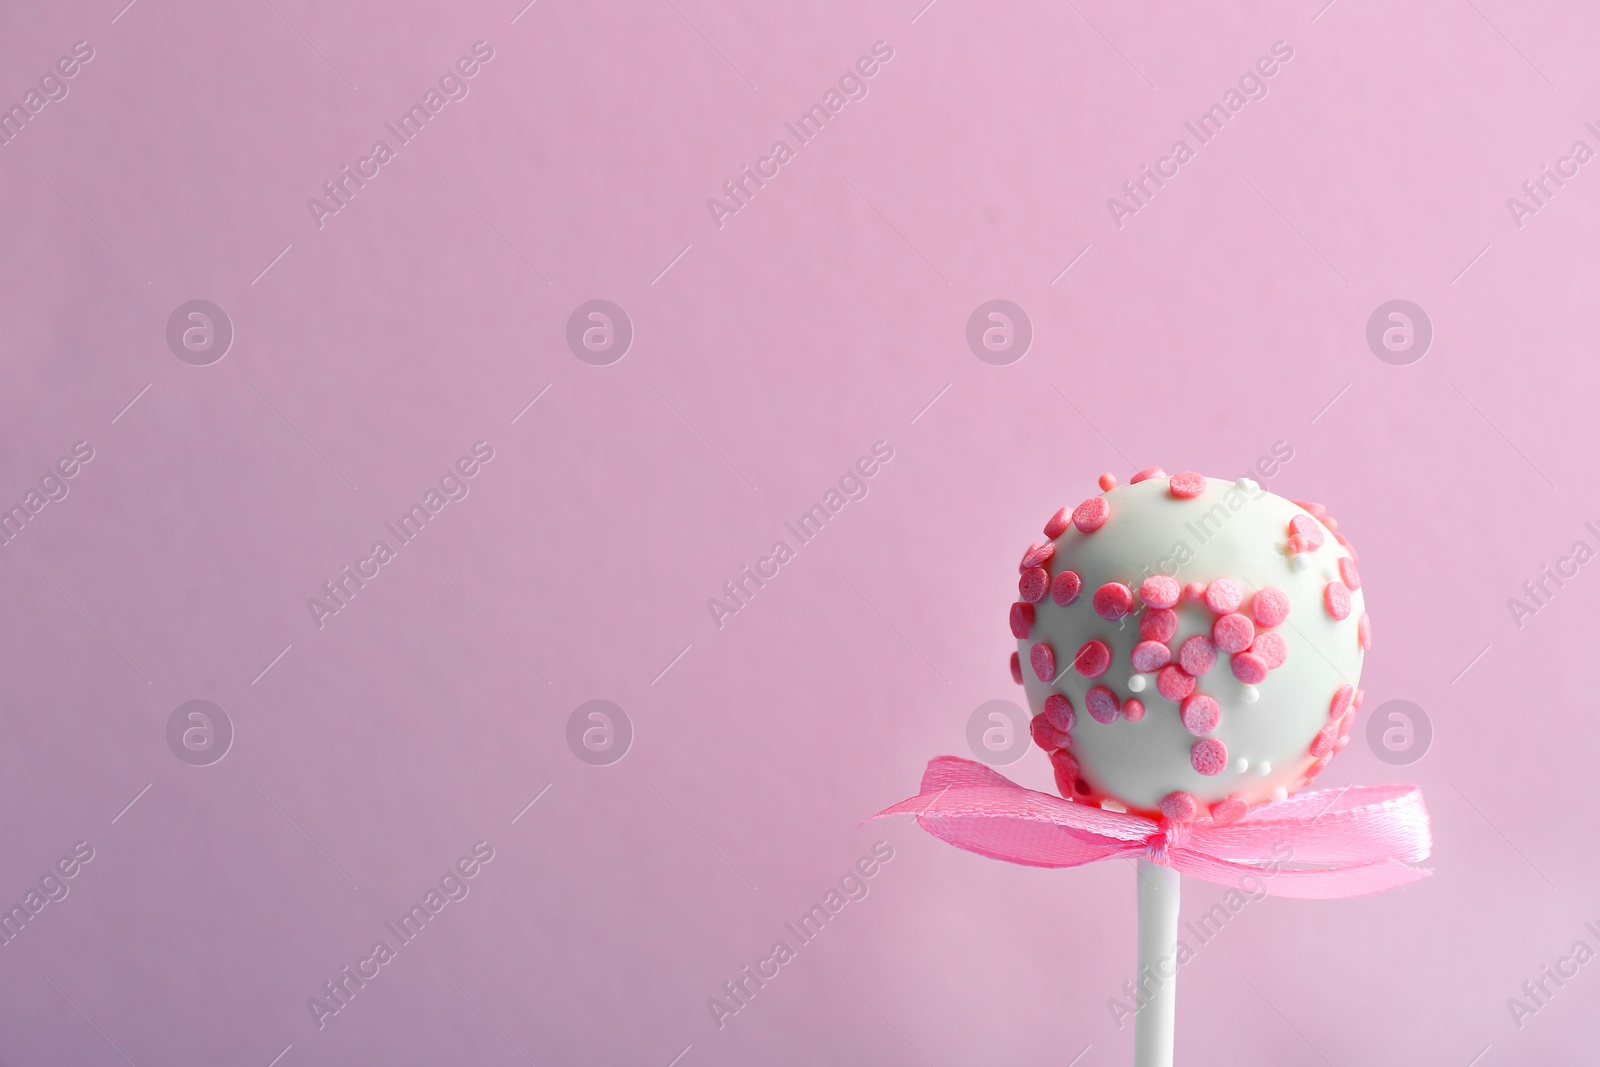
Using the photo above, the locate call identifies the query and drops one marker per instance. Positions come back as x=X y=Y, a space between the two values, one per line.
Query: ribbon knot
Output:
x=1323 y=844
x=1158 y=846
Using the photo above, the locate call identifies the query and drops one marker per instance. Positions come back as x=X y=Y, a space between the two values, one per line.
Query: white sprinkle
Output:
x=1241 y=765
x=1250 y=694
x=1249 y=485
x=1137 y=683
x=1263 y=769
x=1112 y=805
x=1300 y=562
x=1280 y=793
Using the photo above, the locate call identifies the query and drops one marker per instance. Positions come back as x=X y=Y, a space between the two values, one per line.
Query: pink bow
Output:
x=1330 y=843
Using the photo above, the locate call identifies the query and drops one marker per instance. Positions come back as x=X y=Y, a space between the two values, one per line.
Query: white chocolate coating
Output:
x=1228 y=531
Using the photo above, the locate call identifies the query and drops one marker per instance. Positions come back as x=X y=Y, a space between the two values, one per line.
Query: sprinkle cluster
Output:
x=1245 y=633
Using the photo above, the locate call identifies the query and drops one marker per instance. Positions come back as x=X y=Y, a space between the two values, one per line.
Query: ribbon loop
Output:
x=1329 y=843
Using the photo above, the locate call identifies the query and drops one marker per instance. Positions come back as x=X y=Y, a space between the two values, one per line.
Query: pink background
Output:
x=825 y=316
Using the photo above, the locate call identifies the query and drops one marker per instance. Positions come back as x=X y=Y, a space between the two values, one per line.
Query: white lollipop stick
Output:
x=1158 y=953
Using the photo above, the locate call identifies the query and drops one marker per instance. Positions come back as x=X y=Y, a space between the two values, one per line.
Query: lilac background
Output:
x=1226 y=316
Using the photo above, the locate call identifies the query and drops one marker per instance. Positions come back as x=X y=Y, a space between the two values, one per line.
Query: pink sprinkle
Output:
x=1058 y=712
x=1346 y=721
x=1364 y=631
x=1338 y=746
x=1038 y=554
x=1159 y=591
x=1322 y=744
x=1148 y=656
x=1187 y=484
x=1173 y=683
x=1232 y=633
x=1158 y=624
x=1066 y=587
x=1016 y=668
x=1112 y=601
x=1224 y=596
x=1195 y=591
x=1229 y=809
x=1058 y=523
x=1270 y=606
x=1093 y=659
x=1317 y=768
x=1249 y=668
x=1066 y=769
x=1209 y=756
x=1331 y=523
x=1316 y=509
x=1021 y=620
x=1355 y=701
x=1146 y=475
x=1180 y=807
x=1299 y=543
x=1032 y=584
x=1197 y=655
x=1102 y=704
x=1337 y=598
x=1307 y=527
x=1046 y=736
x=1108 y=482
x=1342 y=697
x=1200 y=714
x=1133 y=709
x=1272 y=649
x=1347 y=571
x=1091 y=514
x=1348 y=547
x=1043 y=659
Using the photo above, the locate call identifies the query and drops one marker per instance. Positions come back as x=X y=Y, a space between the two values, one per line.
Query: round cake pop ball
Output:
x=1091 y=514
x=1112 y=601
x=1058 y=713
x=1213 y=580
x=1058 y=523
x=1032 y=584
